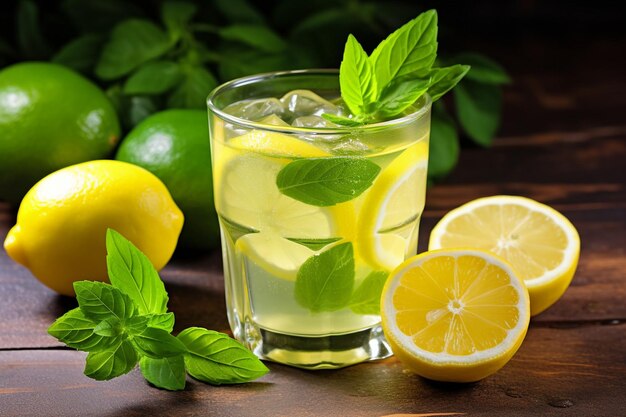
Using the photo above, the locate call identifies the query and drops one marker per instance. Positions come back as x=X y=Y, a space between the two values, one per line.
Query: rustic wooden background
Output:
x=563 y=142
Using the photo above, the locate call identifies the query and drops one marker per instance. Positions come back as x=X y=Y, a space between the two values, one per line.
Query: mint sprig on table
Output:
x=397 y=73
x=127 y=322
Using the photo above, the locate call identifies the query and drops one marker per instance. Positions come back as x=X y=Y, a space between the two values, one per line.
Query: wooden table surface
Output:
x=563 y=142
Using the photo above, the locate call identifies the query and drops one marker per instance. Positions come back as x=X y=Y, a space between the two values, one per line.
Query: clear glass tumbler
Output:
x=312 y=219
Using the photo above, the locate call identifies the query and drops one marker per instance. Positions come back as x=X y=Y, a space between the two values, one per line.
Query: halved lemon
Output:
x=389 y=217
x=455 y=315
x=541 y=244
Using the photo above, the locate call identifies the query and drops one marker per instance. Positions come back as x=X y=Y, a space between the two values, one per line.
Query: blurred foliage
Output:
x=151 y=55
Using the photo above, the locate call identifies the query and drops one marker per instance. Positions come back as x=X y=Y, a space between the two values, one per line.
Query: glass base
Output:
x=322 y=352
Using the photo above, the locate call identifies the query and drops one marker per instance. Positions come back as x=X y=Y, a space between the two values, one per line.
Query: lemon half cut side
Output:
x=542 y=245
x=455 y=315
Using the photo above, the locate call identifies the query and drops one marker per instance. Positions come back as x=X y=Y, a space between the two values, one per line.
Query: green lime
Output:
x=174 y=146
x=50 y=117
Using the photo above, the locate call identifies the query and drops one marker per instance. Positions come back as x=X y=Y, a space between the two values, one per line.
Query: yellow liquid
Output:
x=261 y=229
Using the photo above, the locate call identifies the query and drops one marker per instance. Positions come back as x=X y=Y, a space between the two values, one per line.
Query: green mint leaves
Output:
x=127 y=323
x=326 y=181
x=397 y=73
x=326 y=282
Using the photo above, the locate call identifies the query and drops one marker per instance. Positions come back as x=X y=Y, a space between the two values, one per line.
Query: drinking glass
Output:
x=313 y=216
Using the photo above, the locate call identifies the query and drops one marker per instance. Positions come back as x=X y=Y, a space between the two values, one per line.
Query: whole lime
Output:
x=50 y=118
x=174 y=146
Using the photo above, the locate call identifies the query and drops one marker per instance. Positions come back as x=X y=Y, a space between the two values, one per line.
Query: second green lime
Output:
x=174 y=145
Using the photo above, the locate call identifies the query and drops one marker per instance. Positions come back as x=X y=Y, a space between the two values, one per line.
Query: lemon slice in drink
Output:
x=276 y=255
x=455 y=315
x=387 y=225
x=247 y=194
x=541 y=244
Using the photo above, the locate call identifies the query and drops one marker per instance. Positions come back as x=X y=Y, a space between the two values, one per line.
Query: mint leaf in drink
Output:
x=324 y=281
x=132 y=272
x=326 y=181
x=136 y=325
x=409 y=51
x=77 y=331
x=112 y=362
x=167 y=373
x=443 y=80
x=366 y=298
x=217 y=359
x=99 y=301
x=356 y=78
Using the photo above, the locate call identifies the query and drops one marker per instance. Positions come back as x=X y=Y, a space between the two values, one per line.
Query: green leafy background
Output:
x=153 y=55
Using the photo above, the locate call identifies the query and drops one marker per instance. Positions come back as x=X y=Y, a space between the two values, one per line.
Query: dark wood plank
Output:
x=575 y=371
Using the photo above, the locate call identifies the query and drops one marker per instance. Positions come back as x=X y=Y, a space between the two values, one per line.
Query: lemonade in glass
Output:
x=313 y=215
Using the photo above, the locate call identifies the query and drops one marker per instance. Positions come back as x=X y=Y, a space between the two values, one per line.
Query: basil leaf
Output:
x=326 y=181
x=115 y=361
x=111 y=327
x=239 y=11
x=443 y=80
x=132 y=43
x=157 y=343
x=409 y=50
x=176 y=15
x=77 y=331
x=29 y=37
x=324 y=281
x=137 y=324
x=478 y=107
x=356 y=78
x=217 y=359
x=484 y=70
x=167 y=373
x=315 y=244
x=192 y=92
x=162 y=321
x=133 y=273
x=444 y=146
x=80 y=54
x=340 y=120
x=259 y=37
x=99 y=301
x=399 y=95
x=366 y=298
x=153 y=78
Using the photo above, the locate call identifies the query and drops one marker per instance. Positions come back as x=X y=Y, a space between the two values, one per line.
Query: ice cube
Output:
x=255 y=109
x=273 y=120
x=312 y=122
x=307 y=103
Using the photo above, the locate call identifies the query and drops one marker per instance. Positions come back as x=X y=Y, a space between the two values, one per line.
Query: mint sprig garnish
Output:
x=127 y=323
x=397 y=73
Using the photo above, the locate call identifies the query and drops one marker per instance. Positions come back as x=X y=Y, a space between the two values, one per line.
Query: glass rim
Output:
x=251 y=79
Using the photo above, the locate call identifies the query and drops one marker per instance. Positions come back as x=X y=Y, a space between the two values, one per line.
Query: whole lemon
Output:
x=174 y=146
x=50 y=117
x=62 y=221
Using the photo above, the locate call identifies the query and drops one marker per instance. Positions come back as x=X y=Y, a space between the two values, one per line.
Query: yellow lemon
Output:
x=388 y=220
x=541 y=244
x=62 y=221
x=455 y=315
